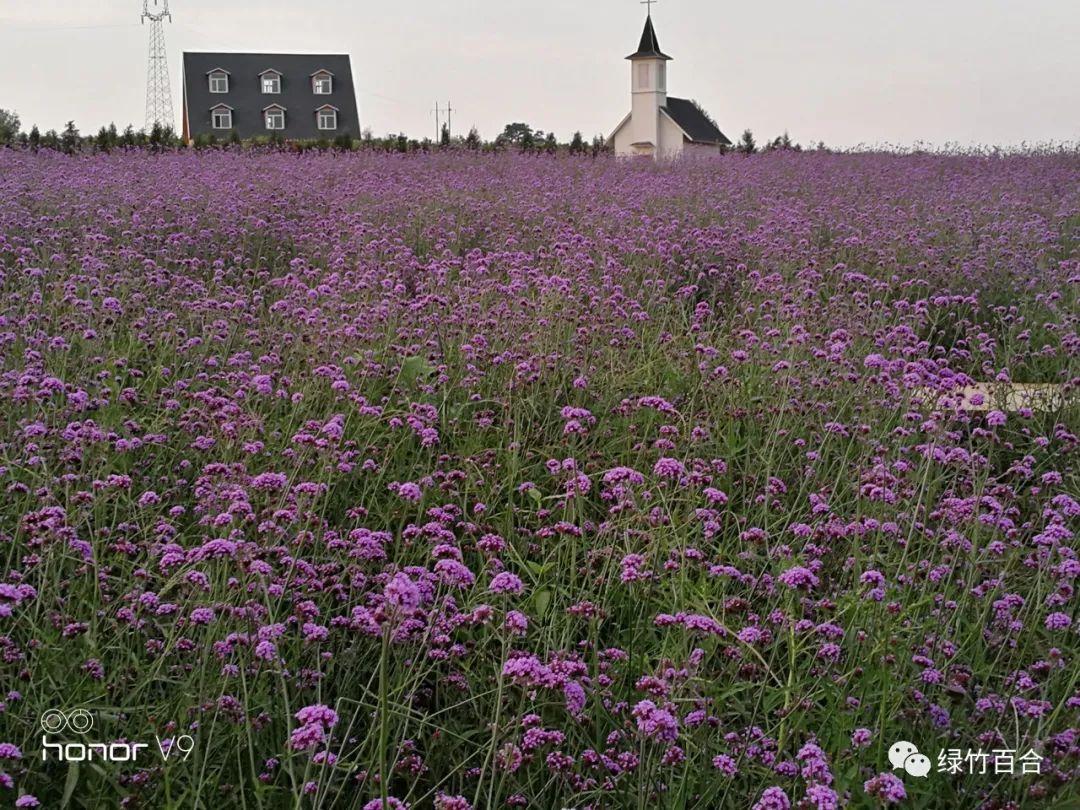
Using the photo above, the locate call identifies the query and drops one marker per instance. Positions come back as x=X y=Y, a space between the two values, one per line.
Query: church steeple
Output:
x=648 y=91
x=649 y=47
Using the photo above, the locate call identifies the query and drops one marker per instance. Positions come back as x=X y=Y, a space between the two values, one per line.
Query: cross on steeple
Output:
x=649 y=3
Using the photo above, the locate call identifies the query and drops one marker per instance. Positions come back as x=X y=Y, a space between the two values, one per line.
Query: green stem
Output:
x=384 y=725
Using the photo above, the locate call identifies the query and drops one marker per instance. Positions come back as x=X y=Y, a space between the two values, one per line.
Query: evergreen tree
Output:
x=783 y=143
x=444 y=136
x=747 y=145
x=35 y=137
x=551 y=144
x=70 y=140
x=577 y=144
x=472 y=140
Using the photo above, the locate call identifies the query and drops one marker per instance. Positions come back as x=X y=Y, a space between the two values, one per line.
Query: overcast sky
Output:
x=847 y=72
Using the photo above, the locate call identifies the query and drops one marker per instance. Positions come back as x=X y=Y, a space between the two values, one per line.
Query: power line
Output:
x=14 y=27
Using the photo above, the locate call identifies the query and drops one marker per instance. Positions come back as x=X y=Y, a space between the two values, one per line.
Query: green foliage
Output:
x=782 y=143
x=747 y=144
x=10 y=126
x=518 y=134
x=70 y=140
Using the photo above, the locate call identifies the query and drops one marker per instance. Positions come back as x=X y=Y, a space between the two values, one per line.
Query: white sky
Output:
x=844 y=71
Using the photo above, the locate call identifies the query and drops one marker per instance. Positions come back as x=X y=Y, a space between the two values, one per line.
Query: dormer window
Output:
x=270 y=81
x=322 y=82
x=274 y=116
x=219 y=80
x=326 y=117
x=221 y=117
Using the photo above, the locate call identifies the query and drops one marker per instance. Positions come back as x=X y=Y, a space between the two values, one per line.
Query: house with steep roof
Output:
x=296 y=96
x=660 y=126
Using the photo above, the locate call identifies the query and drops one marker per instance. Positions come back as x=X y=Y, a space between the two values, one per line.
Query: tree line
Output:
x=517 y=136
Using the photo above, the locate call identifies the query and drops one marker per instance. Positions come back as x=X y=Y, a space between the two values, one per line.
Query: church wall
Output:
x=644 y=123
x=671 y=139
x=623 y=139
x=701 y=150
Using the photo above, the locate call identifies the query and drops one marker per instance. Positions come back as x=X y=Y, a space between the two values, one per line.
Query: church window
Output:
x=643 y=75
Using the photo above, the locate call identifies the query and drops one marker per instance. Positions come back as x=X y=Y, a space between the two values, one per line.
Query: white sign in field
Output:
x=1007 y=397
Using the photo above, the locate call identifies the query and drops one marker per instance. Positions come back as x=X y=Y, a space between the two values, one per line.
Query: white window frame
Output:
x=216 y=75
x=274 y=111
x=215 y=112
x=273 y=79
x=317 y=81
x=328 y=111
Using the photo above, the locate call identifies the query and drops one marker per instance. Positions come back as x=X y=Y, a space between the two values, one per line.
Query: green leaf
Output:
x=541 y=601
x=535 y=495
x=414 y=368
x=70 y=783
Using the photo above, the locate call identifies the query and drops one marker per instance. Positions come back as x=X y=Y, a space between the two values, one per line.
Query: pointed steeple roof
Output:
x=649 y=48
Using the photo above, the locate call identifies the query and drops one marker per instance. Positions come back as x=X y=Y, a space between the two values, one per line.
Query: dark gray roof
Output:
x=694 y=122
x=649 y=47
x=247 y=100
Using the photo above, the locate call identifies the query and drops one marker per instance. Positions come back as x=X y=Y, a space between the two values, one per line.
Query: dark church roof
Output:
x=694 y=122
x=650 y=46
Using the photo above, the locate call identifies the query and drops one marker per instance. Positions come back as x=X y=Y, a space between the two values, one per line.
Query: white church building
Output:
x=658 y=125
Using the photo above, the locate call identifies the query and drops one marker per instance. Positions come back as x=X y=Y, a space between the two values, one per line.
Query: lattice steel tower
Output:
x=159 y=109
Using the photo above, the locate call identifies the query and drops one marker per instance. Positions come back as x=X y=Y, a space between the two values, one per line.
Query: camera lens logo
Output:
x=54 y=721
x=906 y=755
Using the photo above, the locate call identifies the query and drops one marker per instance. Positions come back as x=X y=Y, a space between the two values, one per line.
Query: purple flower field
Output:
x=363 y=481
